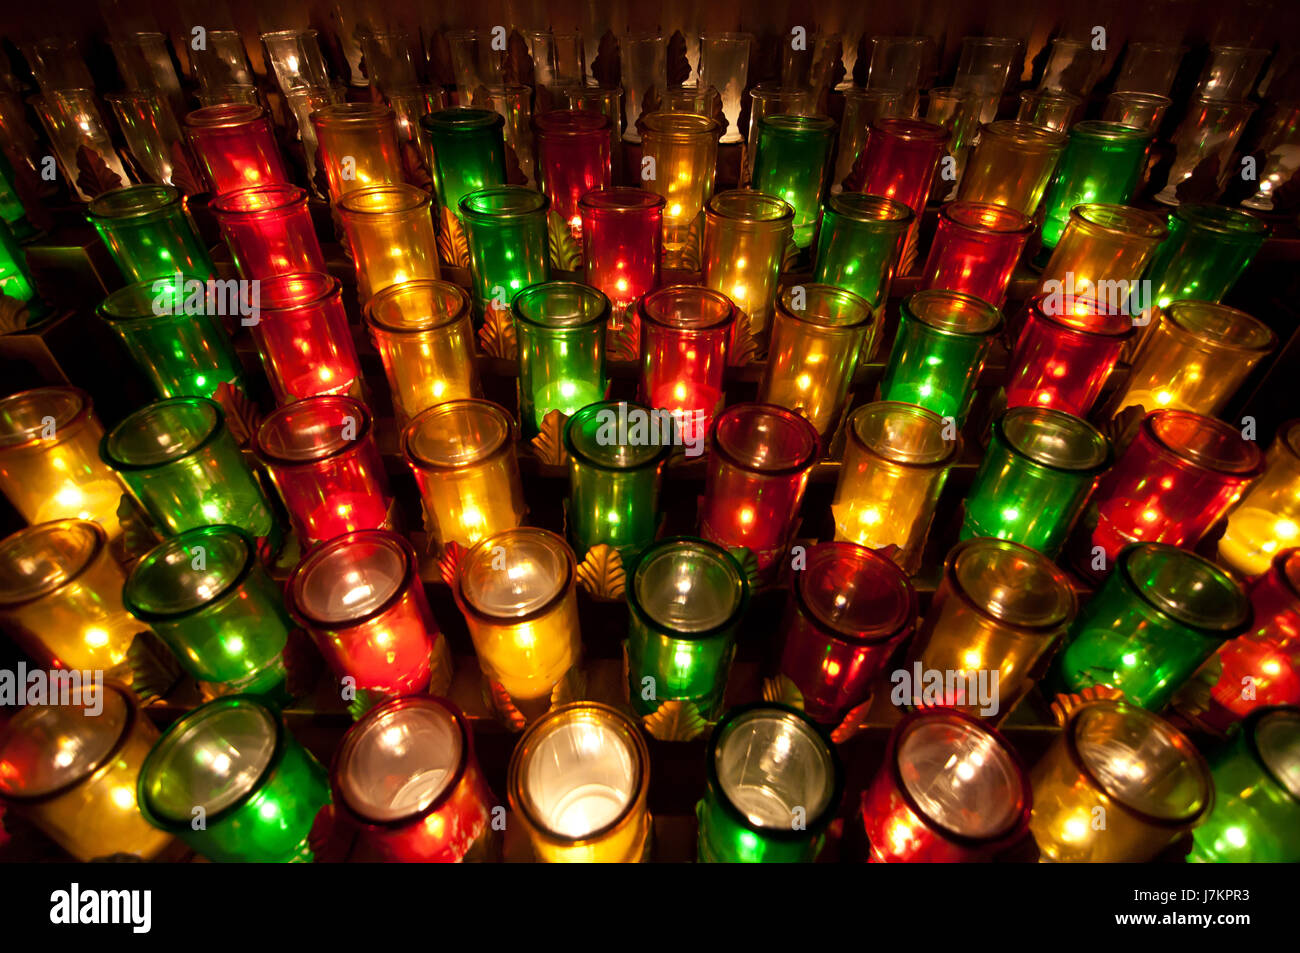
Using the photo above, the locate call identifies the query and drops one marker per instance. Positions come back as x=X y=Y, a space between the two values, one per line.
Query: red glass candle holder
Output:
x=572 y=159
x=975 y=250
x=899 y=162
x=303 y=336
x=235 y=147
x=269 y=231
x=1181 y=473
x=321 y=455
x=622 y=241
x=1066 y=350
x=759 y=460
x=685 y=330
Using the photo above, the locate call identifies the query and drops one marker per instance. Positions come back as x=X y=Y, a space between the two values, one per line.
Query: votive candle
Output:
x=1011 y=165
x=149 y=233
x=235 y=147
x=622 y=242
x=1268 y=520
x=860 y=244
x=685 y=334
x=560 y=327
x=509 y=246
x=390 y=230
x=746 y=234
x=357 y=146
x=303 y=337
x=269 y=231
x=975 y=249
x=793 y=163
x=572 y=159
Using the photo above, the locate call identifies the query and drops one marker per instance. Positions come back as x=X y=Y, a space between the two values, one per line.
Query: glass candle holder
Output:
x=1267 y=521
x=1065 y=352
x=247 y=94
x=468 y=153
x=1149 y=67
x=303 y=337
x=514 y=103
x=235 y=147
x=149 y=233
x=222 y=61
x=145 y=61
x=860 y=244
x=1128 y=766
x=899 y=162
x=724 y=65
x=921 y=807
x=320 y=453
x=49 y=459
x=1011 y=165
x=1049 y=108
x=509 y=247
x=1102 y=163
x=1204 y=141
x=72 y=121
x=61 y=597
x=295 y=57
x=578 y=781
x=269 y=231
x=560 y=327
x=862 y=107
x=772 y=99
x=1037 y=474
x=956 y=110
x=985 y=66
x=851 y=608
x=817 y=338
x=150 y=131
x=1102 y=253
x=516 y=591
x=208 y=598
x=1230 y=72
x=943 y=338
x=183 y=466
x=1278 y=144
x=72 y=770
x=773 y=783
x=469 y=62
x=792 y=163
x=976 y=248
x=462 y=453
x=390 y=231
x=746 y=234
x=607 y=102
x=1161 y=614
x=644 y=75
x=358 y=146
x=760 y=457
x=685 y=333
x=407 y=787
x=572 y=159
x=1208 y=249
x=622 y=242
x=361 y=598
x=683 y=148
x=424 y=335
x=388 y=59
x=1143 y=110
x=896 y=461
x=1181 y=473
x=16 y=279
x=411 y=102
x=258 y=789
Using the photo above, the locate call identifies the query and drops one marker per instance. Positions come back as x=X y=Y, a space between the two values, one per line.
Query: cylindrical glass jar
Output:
x=1276 y=145
x=49 y=459
x=1049 y=108
x=622 y=242
x=1102 y=253
x=1204 y=143
x=360 y=597
x=997 y=618
x=818 y=335
x=468 y=153
x=862 y=107
x=921 y=807
x=681 y=149
x=899 y=161
x=578 y=781
x=685 y=598
x=61 y=597
x=391 y=234
x=295 y=57
x=561 y=337
x=149 y=233
x=423 y=332
x=773 y=784
x=955 y=109
x=850 y=609
x=685 y=334
x=1161 y=614
x=860 y=244
x=234 y=763
x=514 y=103
x=509 y=247
x=771 y=99
x=303 y=337
x=72 y=769
x=72 y=123
x=1037 y=474
x=269 y=231
x=180 y=461
x=939 y=350
x=745 y=237
x=1268 y=520
x=411 y=102
x=208 y=598
x=516 y=591
x=1102 y=163
x=896 y=461
x=572 y=159
x=1118 y=785
x=985 y=66
x=320 y=453
x=975 y=249
x=357 y=146
x=1149 y=67
x=1011 y=165
x=792 y=164
x=1143 y=110
x=462 y=453
x=235 y=147
x=1208 y=249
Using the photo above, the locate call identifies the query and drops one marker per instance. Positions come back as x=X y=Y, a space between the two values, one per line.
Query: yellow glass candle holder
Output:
x=578 y=781
x=1102 y=253
x=1267 y=521
x=745 y=238
x=358 y=146
x=49 y=459
x=679 y=158
x=462 y=453
x=390 y=229
x=424 y=334
x=896 y=461
x=1011 y=165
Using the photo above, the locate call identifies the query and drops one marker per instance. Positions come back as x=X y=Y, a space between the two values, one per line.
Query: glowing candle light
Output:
x=572 y=159
x=682 y=150
x=745 y=238
x=1012 y=165
x=860 y=244
x=622 y=242
x=1268 y=520
x=1102 y=254
x=1208 y=249
x=303 y=337
x=792 y=163
x=358 y=146
x=899 y=162
x=685 y=332
x=975 y=249
x=468 y=153
x=508 y=245
x=149 y=233
x=561 y=334
x=235 y=147
x=269 y=231
x=390 y=231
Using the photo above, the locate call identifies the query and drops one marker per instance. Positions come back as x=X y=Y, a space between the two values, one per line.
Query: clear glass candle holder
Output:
x=572 y=159
x=1012 y=165
x=303 y=337
x=269 y=231
x=1104 y=243
x=411 y=102
x=149 y=233
x=514 y=103
x=683 y=148
x=1267 y=521
x=609 y=103
x=1143 y=110
x=1208 y=249
x=746 y=234
x=860 y=244
x=560 y=327
x=72 y=121
x=390 y=231
x=468 y=153
x=772 y=99
x=296 y=59
x=1049 y=108
x=975 y=249
x=792 y=163
x=222 y=61
x=150 y=130
x=724 y=65
x=1103 y=162
x=1279 y=145
x=644 y=76
x=1204 y=141
x=578 y=782
x=862 y=107
x=955 y=109
x=358 y=146
x=388 y=58
x=985 y=66
x=1230 y=72
x=899 y=161
x=235 y=147
x=509 y=246
x=622 y=243
x=1149 y=67
x=685 y=334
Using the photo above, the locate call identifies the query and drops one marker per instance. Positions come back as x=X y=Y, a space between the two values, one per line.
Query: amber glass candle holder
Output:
x=509 y=246
x=149 y=233
x=860 y=244
x=269 y=231
x=683 y=150
x=1267 y=521
x=462 y=453
x=390 y=230
x=745 y=239
x=572 y=159
x=303 y=337
x=358 y=146
x=975 y=250
x=560 y=326
x=622 y=243
x=899 y=161
x=1116 y=762
x=1011 y=165
x=235 y=147
x=1102 y=254
x=578 y=781
x=685 y=333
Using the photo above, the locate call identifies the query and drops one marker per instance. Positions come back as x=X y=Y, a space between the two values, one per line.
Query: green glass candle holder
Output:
x=860 y=244
x=792 y=162
x=467 y=152
x=149 y=233
x=508 y=245
x=1160 y=614
x=233 y=764
x=15 y=279
x=1035 y=479
x=560 y=328
x=1103 y=162
x=616 y=454
x=180 y=461
x=206 y=595
x=943 y=338
x=1206 y=251
x=685 y=600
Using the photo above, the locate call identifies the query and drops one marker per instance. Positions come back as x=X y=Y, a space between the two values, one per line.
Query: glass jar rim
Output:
x=723 y=310
x=134 y=304
x=437 y=289
x=895 y=600
x=984 y=217
x=945 y=451
x=134 y=202
x=1219 y=327
x=75 y=409
x=981 y=319
x=912 y=130
x=350 y=114
x=298 y=290
x=460 y=120
x=285 y=34
x=1094 y=460
x=1045 y=621
x=748 y=207
x=92 y=543
x=224 y=116
x=1225 y=221
x=1134 y=557
x=571 y=123
x=1259 y=721
x=259 y=200
x=584 y=292
x=395 y=544
x=537 y=606
x=502 y=202
x=802 y=458
x=1109 y=131
x=857 y=312
x=184 y=542
x=873 y=210
x=797 y=125
x=1139 y=96
x=486 y=411
x=404 y=198
x=1025 y=134
x=1084 y=315
x=621 y=199
x=336 y=407
x=737 y=584
x=581 y=451
x=214 y=420
x=673 y=125
x=1121 y=218
x=1155 y=425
